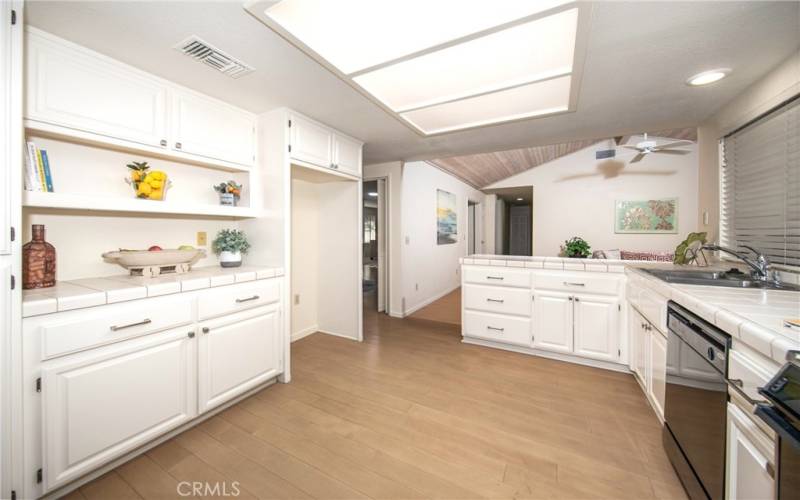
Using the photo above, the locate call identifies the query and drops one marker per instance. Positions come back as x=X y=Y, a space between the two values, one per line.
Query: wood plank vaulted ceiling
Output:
x=484 y=169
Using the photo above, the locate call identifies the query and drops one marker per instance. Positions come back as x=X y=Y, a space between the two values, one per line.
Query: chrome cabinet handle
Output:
x=495 y=278
x=737 y=384
x=178 y=145
x=248 y=299
x=163 y=142
x=206 y=329
x=569 y=283
x=495 y=329
x=577 y=299
x=499 y=301
x=115 y=328
x=191 y=335
x=570 y=299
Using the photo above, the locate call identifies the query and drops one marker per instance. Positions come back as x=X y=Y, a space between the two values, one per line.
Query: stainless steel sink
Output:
x=718 y=278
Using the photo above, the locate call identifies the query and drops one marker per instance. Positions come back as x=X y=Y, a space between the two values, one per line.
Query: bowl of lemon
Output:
x=148 y=184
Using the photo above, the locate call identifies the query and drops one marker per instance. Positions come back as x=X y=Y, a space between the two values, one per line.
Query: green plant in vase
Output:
x=576 y=247
x=230 y=244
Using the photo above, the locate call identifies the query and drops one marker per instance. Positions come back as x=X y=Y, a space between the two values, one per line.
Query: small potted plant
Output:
x=576 y=247
x=230 y=244
x=229 y=193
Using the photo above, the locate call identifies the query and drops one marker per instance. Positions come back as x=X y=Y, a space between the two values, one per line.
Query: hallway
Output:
x=446 y=309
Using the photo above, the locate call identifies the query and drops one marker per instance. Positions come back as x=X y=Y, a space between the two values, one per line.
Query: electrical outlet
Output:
x=297 y=299
x=202 y=238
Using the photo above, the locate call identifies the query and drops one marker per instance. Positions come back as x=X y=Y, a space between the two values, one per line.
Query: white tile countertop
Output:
x=753 y=316
x=89 y=292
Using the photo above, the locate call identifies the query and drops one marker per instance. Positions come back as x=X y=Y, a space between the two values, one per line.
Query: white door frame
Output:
x=385 y=235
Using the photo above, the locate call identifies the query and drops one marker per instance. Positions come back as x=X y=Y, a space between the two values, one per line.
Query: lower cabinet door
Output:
x=101 y=404
x=552 y=320
x=639 y=346
x=748 y=468
x=596 y=333
x=237 y=353
x=658 y=371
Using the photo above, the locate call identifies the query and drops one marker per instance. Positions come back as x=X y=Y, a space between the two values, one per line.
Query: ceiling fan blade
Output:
x=674 y=144
x=672 y=151
x=638 y=157
x=629 y=147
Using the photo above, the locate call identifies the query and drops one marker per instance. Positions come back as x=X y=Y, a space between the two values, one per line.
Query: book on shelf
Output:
x=48 y=176
x=38 y=176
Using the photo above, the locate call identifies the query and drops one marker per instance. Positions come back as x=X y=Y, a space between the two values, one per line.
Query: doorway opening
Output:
x=375 y=282
x=513 y=220
x=474 y=227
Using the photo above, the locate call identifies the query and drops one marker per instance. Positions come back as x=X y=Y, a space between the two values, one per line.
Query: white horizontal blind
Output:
x=760 y=181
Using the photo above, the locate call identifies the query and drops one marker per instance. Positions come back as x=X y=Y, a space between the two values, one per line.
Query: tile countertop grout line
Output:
x=772 y=342
x=90 y=292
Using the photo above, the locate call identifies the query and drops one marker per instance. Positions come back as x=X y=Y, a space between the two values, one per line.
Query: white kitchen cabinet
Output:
x=311 y=143
x=648 y=359
x=596 y=330
x=552 y=320
x=658 y=371
x=74 y=87
x=211 y=128
x=639 y=346
x=749 y=472
x=237 y=353
x=347 y=155
x=100 y=404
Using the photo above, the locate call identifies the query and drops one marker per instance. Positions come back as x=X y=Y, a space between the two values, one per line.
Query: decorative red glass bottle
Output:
x=38 y=261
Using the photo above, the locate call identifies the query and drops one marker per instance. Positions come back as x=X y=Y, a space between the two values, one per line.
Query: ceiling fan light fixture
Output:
x=708 y=77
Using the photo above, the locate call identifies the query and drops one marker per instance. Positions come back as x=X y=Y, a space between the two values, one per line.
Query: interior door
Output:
x=552 y=319
x=519 y=227
x=596 y=332
x=101 y=404
x=237 y=353
x=383 y=232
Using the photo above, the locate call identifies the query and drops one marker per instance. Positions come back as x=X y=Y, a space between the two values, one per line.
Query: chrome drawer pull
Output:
x=248 y=299
x=494 y=278
x=737 y=384
x=495 y=329
x=122 y=327
x=499 y=301
x=567 y=283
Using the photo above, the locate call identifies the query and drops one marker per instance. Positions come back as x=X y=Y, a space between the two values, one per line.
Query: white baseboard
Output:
x=337 y=334
x=305 y=332
x=396 y=314
x=606 y=365
x=424 y=303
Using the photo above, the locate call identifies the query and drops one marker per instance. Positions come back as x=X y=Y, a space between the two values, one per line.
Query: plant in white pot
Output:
x=230 y=244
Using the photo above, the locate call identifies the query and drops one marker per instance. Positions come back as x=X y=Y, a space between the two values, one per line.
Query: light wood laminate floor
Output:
x=445 y=310
x=414 y=413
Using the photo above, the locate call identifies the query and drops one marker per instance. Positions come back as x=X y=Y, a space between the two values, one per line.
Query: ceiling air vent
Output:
x=204 y=52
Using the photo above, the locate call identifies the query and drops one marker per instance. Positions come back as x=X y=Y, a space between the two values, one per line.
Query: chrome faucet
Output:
x=759 y=266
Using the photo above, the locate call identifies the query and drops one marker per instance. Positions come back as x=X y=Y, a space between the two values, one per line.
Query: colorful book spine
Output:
x=42 y=181
x=48 y=176
x=32 y=169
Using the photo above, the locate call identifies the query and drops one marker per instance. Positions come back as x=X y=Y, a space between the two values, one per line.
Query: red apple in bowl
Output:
x=154 y=248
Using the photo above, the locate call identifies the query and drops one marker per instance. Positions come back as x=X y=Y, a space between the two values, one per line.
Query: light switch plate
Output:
x=202 y=238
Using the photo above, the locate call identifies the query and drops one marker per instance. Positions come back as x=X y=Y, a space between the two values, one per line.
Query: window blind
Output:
x=760 y=185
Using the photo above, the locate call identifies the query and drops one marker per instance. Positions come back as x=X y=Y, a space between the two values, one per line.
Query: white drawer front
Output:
x=80 y=330
x=497 y=299
x=232 y=298
x=750 y=372
x=498 y=328
x=498 y=276
x=577 y=282
x=653 y=307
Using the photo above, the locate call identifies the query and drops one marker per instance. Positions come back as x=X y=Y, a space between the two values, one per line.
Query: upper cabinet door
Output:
x=596 y=334
x=311 y=143
x=552 y=320
x=74 y=87
x=347 y=155
x=206 y=127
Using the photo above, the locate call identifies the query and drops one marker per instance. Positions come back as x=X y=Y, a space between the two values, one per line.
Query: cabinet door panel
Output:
x=210 y=128
x=237 y=353
x=596 y=333
x=347 y=155
x=658 y=371
x=639 y=344
x=77 y=88
x=97 y=407
x=552 y=322
x=747 y=476
x=311 y=143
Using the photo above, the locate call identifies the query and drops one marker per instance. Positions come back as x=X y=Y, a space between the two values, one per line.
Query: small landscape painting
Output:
x=647 y=216
x=446 y=222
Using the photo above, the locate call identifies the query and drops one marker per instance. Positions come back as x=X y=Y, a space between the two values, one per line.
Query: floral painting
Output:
x=446 y=223
x=647 y=216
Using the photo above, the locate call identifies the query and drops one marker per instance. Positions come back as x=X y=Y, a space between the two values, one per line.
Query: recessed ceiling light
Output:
x=707 y=77
x=491 y=63
x=374 y=195
x=520 y=199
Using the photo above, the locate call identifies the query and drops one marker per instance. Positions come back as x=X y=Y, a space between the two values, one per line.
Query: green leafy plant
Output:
x=576 y=247
x=693 y=241
x=230 y=240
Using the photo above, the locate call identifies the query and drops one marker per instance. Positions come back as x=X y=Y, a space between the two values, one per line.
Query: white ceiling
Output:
x=639 y=55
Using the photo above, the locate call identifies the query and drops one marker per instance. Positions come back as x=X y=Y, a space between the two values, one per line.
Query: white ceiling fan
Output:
x=647 y=147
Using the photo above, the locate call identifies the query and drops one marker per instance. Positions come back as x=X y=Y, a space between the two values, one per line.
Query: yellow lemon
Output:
x=158 y=175
x=156 y=184
x=144 y=189
x=136 y=175
x=156 y=194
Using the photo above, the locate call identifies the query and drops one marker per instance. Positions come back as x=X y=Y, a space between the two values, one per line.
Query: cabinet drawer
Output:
x=498 y=328
x=497 y=276
x=80 y=330
x=232 y=298
x=497 y=299
x=750 y=372
x=653 y=307
x=577 y=282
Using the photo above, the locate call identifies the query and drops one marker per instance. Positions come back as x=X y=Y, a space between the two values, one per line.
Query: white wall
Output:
x=575 y=195
x=430 y=270
x=305 y=257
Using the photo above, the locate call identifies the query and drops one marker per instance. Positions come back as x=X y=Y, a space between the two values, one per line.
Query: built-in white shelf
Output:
x=109 y=204
x=40 y=129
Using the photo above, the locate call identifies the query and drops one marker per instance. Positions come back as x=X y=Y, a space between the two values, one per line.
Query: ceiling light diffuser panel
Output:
x=444 y=65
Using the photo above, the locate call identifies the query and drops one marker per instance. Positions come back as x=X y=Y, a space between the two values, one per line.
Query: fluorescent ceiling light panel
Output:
x=444 y=65
x=532 y=51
